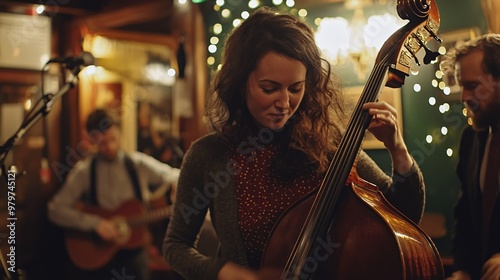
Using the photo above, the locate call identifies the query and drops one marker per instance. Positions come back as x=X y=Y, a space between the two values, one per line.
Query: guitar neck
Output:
x=150 y=216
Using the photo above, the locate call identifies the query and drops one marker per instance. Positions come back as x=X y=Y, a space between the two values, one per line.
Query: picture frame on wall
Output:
x=390 y=95
x=155 y=128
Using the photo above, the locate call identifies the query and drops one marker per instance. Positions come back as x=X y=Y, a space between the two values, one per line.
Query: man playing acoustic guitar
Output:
x=109 y=184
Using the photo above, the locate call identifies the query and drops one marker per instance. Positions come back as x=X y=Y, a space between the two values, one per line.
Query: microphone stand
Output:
x=49 y=100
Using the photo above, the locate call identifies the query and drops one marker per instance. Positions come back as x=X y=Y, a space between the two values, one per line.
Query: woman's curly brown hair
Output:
x=316 y=126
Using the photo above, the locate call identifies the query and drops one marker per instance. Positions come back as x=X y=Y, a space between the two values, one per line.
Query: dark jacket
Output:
x=467 y=238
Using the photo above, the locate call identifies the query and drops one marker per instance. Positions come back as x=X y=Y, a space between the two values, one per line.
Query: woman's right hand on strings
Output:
x=232 y=271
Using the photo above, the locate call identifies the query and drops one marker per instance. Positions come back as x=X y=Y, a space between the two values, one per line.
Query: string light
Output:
x=226 y=13
x=252 y=4
x=444 y=130
x=245 y=14
x=439 y=74
x=214 y=40
x=230 y=14
x=290 y=3
x=236 y=22
x=212 y=49
x=432 y=101
x=417 y=87
x=449 y=152
x=217 y=28
x=444 y=108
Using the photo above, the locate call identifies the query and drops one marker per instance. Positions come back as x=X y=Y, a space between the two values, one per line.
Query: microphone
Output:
x=83 y=59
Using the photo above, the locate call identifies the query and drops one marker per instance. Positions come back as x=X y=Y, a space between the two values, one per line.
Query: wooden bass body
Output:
x=373 y=240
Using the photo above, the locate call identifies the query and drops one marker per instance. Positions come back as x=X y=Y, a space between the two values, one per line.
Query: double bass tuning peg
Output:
x=430 y=55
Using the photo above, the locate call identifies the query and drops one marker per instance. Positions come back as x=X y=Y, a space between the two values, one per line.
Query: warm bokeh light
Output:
x=417 y=87
x=212 y=49
x=432 y=101
x=449 y=152
x=214 y=40
x=444 y=130
x=252 y=4
x=217 y=28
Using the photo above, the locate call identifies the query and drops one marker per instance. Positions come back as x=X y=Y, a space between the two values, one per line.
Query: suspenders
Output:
x=131 y=172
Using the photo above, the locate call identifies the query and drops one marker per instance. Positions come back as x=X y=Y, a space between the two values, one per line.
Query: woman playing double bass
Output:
x=278 y=115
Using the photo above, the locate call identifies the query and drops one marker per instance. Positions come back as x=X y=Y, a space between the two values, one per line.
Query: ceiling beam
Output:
x=145 y=11
x=171 y=41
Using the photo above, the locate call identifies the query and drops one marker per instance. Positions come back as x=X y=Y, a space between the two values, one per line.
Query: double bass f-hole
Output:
x=346 y=229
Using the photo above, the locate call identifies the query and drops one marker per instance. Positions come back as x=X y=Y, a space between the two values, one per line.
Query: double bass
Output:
x=346 y=229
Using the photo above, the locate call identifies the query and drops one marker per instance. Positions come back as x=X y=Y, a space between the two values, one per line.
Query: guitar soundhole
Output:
x=123 y=230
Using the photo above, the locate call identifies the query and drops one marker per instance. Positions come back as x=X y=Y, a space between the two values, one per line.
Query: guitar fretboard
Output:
x=150 y=216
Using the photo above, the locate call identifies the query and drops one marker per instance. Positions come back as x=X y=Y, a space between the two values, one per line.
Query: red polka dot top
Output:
x=263 y=197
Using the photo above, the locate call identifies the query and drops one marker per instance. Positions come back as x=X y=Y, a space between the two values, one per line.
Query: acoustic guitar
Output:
x=88 y=251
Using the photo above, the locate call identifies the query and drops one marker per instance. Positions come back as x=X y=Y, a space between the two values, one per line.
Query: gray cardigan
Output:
x=206 y=182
